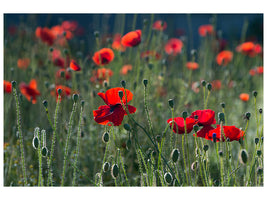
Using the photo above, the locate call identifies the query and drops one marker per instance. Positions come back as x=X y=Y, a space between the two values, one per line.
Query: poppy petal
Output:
x=74 y=66
x=112 y=96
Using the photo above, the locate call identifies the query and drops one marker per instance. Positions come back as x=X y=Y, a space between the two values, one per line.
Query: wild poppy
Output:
x=192 y=65
x=132 y=38
x=256 y=71
x=74 y=66
x=116 y=44
x=216 y=84
x=69 y=25
x=205 y=30
x=30 y=91
x=249 y=48
x=57 y=59
x=45 y=34
x=125 y=69
x=244 y=96
x=259 y=70
x=174 y=46
x=224 y=57
x=178 y=126
x=114 y=111
x=159 y=25
x=230 y=132
x=100 y=75
x=23 y=63
x=7 y=87
x=66 y=91
x=204 y=132
x=147 y=54
x=204 y=117
x=67 y=75
x=103 y=56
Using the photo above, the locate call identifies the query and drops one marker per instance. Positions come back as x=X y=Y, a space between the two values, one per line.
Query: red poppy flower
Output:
x=132 y=38
x=45 y=34
x=23 y=63
x=125 y=69
x=259 y=70
x=204 y=132
x=192 y=65
x=159 y=25
x=66 y=91
x=113 y=111
x=205 y=30
x=174 y=46
x=103 y=57
x=148 y=54
x=204 y=117
x=249 y=48
x=69 y=25
x=216 y=84
x=67 y=74
x=244 y=96
x=179 y=124
x=230 y=132
x=30 y=91
x=116 y=44
x=224 y=57
x=100 y=75
x=74 y=66
x=7 y=87
x=57 y=59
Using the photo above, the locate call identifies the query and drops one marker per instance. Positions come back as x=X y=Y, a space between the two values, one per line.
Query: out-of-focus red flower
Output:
x=67 y=75
x=230 y=132
x=57 y=59
x=103 y=56
x=178 y=126
x=204 y=117
x=23 y=63
x=45 y=34
x=244 y=96
x=101 y=75
x=195 y=86
x=114 y=110
x=159 y=25
x=216 y=84
x=192 y=65
x=117 y=43
x=259 y=70
x=66 y=91
x=30 y=91
x=7 y=87
x=204 y=132
x=132 y=38
x=256 y=71
x=249 y=48
x=69 y=25
x=147 y=54
x=74 y=66
x=205 y=30
x=125 y=69
x=161 y=91
x=224 y=57
x=174 y=46
x=252 y=72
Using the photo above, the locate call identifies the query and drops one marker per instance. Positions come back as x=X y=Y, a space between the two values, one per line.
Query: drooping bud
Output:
x=127 y=127
x=203 y=83
x=114 y=171
x=168 y=177
x=35 y=142
x=105 y=137
x=175 y=155
x=257 y=140
x=243 y=156
x=106 y=166
x=123 y=83
x=45 y=103
x=82 y=103
x=145 y=22
x=150 y=66
x=14 y=84
x=44 y=151
x=158 y=138
x=171 y=103
x=65 y=51
x=51 y=49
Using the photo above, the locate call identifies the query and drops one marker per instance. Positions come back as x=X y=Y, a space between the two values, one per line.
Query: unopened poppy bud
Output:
x=184 y=114
x=247 y=115
x=243 y=156
x=121 y=94
x=259 y=153
x=123 y=83
x=196 y=117
x=260 y=110
x=196 y=127
x=128 y=144
x=59 y=91
x=14 y=84
x=255 y=93
x=205 y=147
x=175 y=155
x=150 y=66
x=35 y=142
x=259 y=170
x=171 y=103
x=223 y=105
x=45 y=103
x=114 y=171
x=106 y=166
x=214 y=137
x=209 y=86
x=51 y=49
x=228 y=139
x=257 y=140
x=96 y=34
x=168 y=177
x=75 y=97
x=194 y=166
x=44 y=151
x=203 y=83
x=105 y=83
x=221 y=117
x=127 y=127
x=105 y=137
x=221 y=153
x=145 y=82
x=82 y=103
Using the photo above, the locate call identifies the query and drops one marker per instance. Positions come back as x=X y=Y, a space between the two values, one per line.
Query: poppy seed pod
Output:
x=123 y=83
x=171 y=103
x=120 y=94
x=247 y=115
x=243 y=156
x=221 y=117
x=257 y=140
x=45 y=103
x=203 y=83
x=114 y=171
x=35 y=142
x=184 y=114
x=168 y=177
x=255 y=93
x=106 y=166
x=127 y=127
x=105 y=137
x=145 y=82
x=175 y=155
x=44 y=151
x=14 y=84
x=209 y=86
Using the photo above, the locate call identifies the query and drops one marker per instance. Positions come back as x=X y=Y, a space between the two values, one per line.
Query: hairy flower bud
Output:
x=175 y=155
x=114 y=171
x=105 y=137
x=171 y=103
x=243 y=157
x=168 y=177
